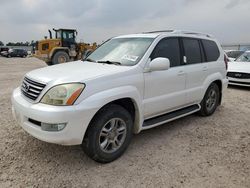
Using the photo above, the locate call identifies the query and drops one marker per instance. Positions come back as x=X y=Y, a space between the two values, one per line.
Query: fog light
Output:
x=53 y=127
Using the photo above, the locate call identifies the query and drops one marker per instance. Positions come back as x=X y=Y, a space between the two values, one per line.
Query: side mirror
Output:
x=159 y=64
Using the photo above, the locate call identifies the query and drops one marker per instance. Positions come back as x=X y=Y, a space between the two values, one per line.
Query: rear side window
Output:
x=211 y=50
x=168 y=48
x=192 y=50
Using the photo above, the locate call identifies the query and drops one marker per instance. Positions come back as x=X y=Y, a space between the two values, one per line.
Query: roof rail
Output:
x=180 y=32
x=160 y=31
x=192 y=33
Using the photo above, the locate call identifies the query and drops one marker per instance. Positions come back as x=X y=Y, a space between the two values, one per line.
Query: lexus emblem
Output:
x=238 y=75
x=26 y=87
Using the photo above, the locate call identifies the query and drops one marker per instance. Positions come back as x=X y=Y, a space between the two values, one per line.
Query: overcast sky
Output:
x=97 y=20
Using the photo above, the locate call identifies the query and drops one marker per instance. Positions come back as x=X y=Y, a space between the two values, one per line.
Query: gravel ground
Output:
x=190 y=152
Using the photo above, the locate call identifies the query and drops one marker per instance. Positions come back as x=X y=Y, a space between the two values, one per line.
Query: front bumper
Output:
x=239 y=82
x=77 y=118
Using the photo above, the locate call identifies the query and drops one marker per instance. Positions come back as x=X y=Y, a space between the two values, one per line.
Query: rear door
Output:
x=165 y=90
x=195 y=67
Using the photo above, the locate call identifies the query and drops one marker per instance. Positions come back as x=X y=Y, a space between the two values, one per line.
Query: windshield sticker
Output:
x=130 y=57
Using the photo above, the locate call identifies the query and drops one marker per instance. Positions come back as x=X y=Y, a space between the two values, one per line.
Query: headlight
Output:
x=63 y=95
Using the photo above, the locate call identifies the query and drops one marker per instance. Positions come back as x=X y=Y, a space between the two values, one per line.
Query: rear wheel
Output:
x=210 y=100
x=60 y=57
x=109 y=134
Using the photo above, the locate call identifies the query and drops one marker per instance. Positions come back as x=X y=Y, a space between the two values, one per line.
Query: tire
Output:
x=99 y=142
x=210 y=100
x=9 y=56
x=60 y=57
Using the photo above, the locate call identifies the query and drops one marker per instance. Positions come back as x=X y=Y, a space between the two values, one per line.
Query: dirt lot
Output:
x=190 y=152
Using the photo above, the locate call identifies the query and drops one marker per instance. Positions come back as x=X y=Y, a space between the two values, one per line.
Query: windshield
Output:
x=125 y=51
x=244 y=57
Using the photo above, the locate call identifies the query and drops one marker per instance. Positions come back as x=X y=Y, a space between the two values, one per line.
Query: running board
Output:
x=155 y=121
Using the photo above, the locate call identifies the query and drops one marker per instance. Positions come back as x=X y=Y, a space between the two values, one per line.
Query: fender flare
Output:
x=210 y=79
x=100 y=99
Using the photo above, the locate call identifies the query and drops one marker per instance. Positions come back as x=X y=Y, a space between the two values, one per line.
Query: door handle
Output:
x=204 y=69
x=180 y=73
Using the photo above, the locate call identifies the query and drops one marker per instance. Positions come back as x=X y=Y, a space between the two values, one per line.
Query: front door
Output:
x=165 y=90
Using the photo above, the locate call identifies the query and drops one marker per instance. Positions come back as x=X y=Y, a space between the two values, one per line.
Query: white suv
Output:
x=129 y=84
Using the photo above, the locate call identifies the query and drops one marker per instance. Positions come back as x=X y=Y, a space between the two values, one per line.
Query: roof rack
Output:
x=160 y=31
x=180 y=32
x=192 y=33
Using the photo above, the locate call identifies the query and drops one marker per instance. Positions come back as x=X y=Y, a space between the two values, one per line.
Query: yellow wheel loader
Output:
x=62 y=48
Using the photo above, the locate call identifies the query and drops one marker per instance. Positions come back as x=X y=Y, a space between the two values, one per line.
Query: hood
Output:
x=75 y=72
x=239 y=67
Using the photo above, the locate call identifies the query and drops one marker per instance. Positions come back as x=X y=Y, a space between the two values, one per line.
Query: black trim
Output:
x=204 y=52
x=170 y=115
x=38 y=123
x=203 y=58
x=239 y=75
x=182 y=53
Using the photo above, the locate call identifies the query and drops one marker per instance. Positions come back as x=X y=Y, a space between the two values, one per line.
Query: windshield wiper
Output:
x=246 y=57
x=110 y=62
x=90 y=60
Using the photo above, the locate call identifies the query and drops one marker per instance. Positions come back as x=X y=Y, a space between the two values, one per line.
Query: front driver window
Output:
x=168 y=48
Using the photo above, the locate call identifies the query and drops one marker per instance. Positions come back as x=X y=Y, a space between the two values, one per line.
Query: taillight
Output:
x=226 y=61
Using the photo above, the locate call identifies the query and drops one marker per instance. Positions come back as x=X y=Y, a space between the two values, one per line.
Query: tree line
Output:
x=18 y=43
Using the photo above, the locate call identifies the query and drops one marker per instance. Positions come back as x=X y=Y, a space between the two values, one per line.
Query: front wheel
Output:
x=210 y=100
x=109 y=134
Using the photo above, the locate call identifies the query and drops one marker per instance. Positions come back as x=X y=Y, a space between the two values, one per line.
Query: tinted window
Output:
x=211 y=50
x=168 y=48
x=192 y=50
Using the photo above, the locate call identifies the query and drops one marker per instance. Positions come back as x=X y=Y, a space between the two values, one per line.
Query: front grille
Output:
x=235 y=82
x=239 y=75
x=31 y=89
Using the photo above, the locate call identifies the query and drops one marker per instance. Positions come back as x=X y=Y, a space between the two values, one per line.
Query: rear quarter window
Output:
x=211 y=50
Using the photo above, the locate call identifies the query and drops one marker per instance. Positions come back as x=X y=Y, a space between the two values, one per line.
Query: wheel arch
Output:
x=130 y=105
x=214 y=78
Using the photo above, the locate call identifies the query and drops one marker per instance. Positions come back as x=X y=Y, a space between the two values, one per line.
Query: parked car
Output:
x=15 y=53
x=233 y=54
x=3 y=50
x=129 y=84
x=239 y=70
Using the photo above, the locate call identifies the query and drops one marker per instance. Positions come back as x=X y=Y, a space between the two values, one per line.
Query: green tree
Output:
x=1 y=43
